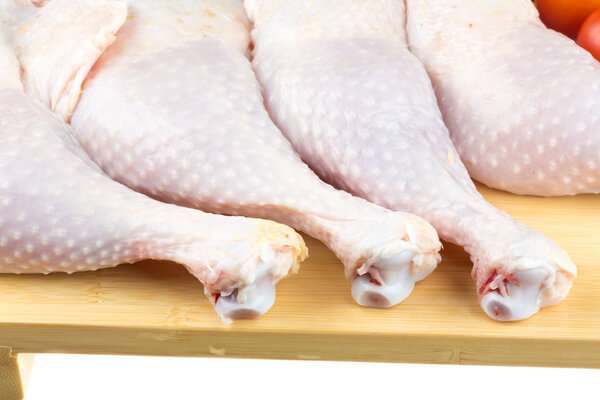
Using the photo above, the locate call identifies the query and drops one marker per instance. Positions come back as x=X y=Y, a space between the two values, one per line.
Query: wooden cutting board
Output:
x=156 y=308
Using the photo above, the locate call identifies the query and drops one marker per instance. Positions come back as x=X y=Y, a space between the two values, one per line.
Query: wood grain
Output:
x=14 y=373
x=156 y=308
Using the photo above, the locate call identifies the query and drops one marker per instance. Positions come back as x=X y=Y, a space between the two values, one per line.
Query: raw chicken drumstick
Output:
x=522 y=102
x=173 y=109
x=60 y=213
x=341 y=84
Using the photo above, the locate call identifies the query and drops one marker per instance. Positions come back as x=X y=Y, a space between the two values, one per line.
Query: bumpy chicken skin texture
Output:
x=341 y=84
x=522 y=102
x=173 y=110
x=60 y=213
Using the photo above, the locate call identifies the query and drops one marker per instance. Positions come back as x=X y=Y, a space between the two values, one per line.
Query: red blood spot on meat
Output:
x=486 y=286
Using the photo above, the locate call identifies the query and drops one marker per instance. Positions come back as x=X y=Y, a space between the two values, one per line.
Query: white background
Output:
x=69 y=377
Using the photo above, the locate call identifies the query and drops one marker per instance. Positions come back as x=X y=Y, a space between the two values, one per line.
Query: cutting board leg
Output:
x=14 y=373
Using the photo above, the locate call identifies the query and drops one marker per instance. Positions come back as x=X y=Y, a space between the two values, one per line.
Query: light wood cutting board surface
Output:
x=157 y=308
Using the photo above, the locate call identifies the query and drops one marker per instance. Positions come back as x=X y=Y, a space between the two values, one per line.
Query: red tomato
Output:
x=589 y=34
x=566 y=16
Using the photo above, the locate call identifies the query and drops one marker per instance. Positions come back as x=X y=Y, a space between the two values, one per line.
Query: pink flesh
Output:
x=341 y=84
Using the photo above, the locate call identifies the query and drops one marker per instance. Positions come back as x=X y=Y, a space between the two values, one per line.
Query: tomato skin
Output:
x=589 y=34
x=566 y=16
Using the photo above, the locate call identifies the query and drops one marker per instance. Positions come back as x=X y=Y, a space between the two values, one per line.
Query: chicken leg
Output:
x=522 y=102
x=173 y=109
x=60 y=213
x=341 y=84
